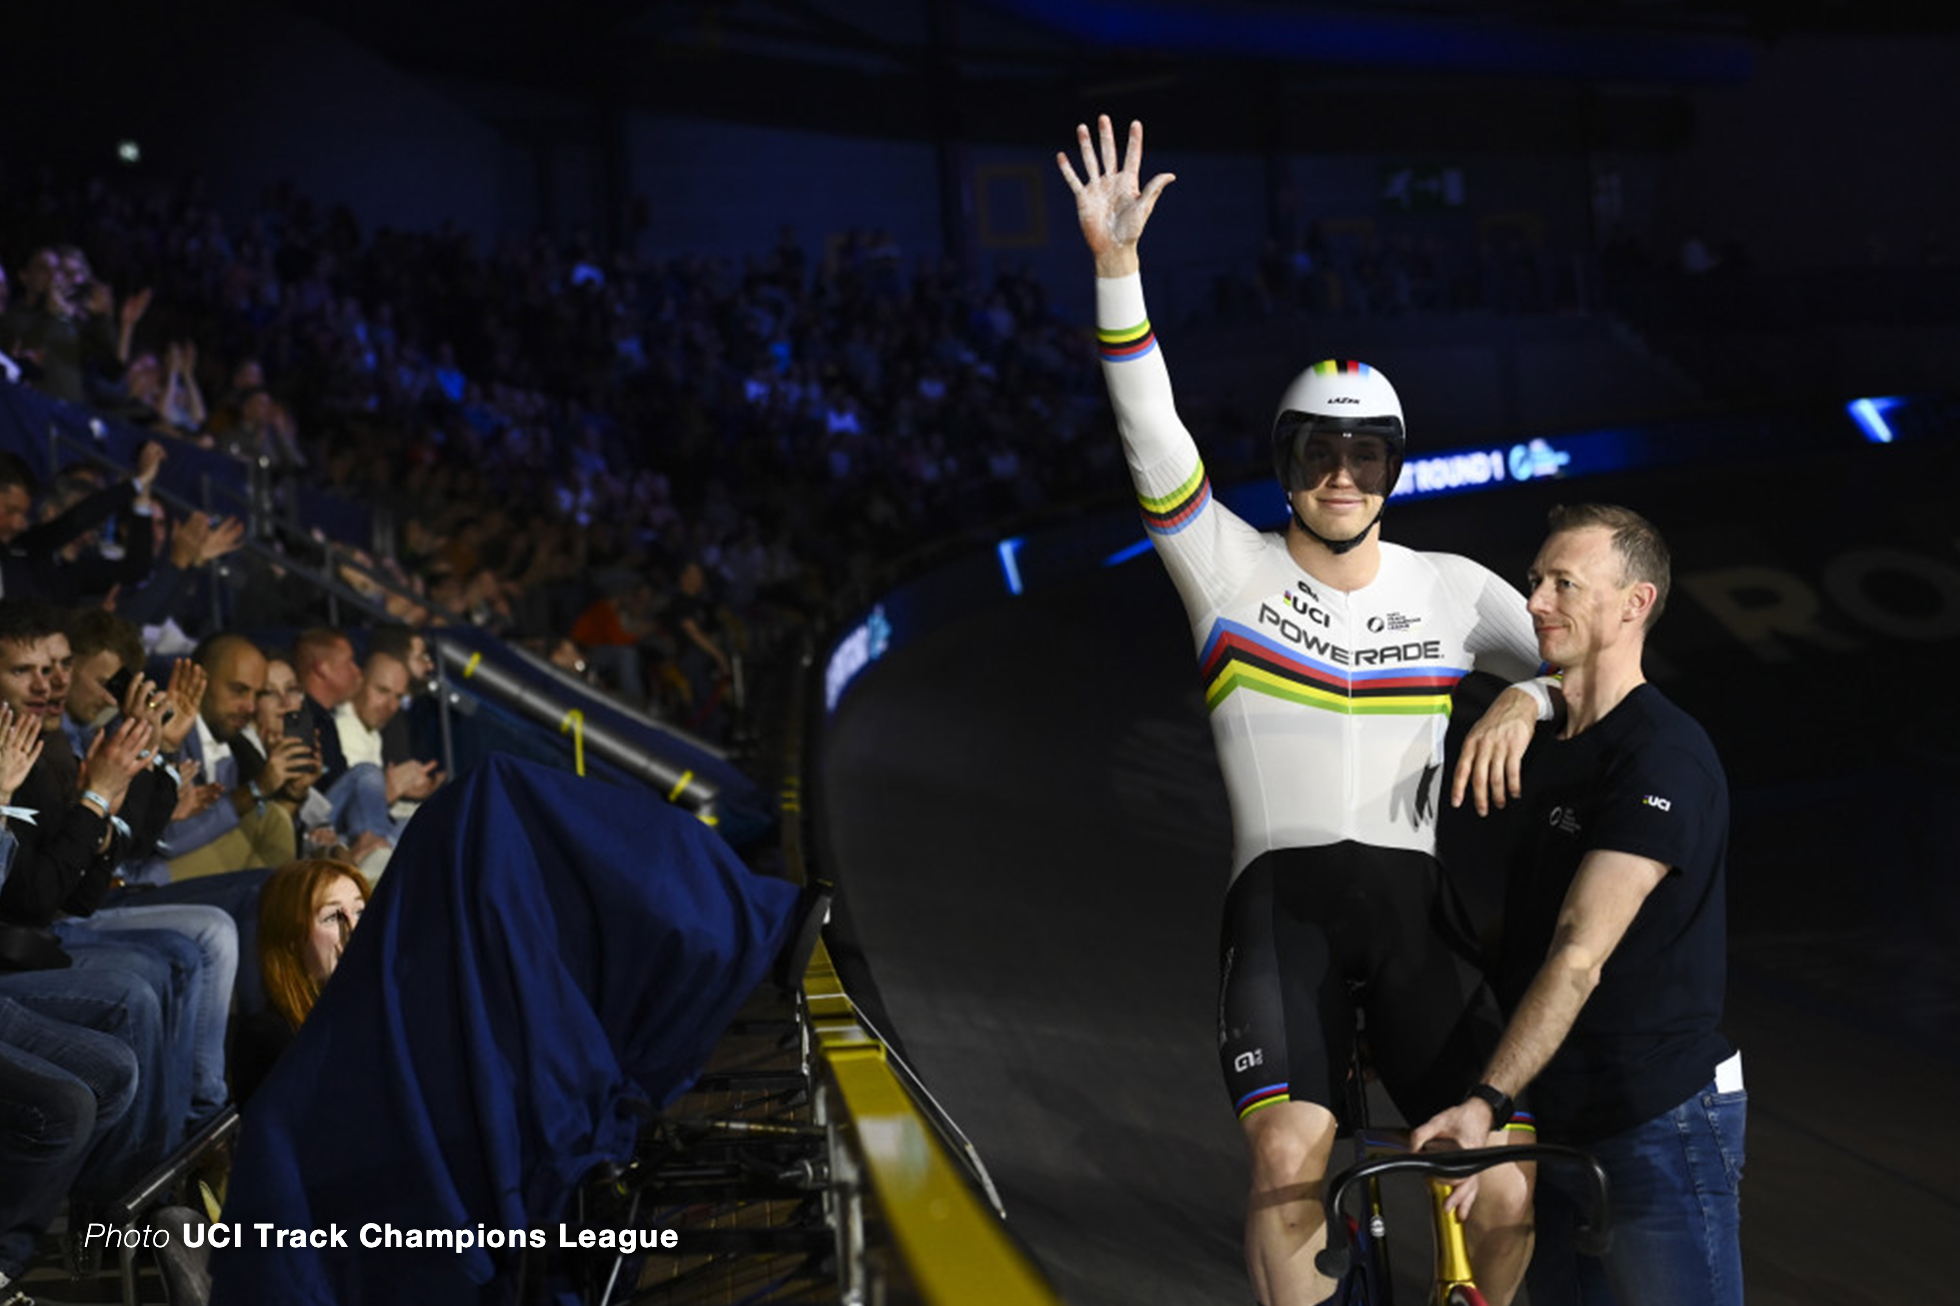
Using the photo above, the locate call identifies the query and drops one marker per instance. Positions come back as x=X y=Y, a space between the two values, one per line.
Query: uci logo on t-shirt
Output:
x=1660 y=804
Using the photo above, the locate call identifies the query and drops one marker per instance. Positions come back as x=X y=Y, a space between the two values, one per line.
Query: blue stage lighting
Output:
x=1010 y=565
x=1869 y=414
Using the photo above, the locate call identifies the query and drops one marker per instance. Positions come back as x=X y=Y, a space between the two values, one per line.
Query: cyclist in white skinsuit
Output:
x=1328 y=658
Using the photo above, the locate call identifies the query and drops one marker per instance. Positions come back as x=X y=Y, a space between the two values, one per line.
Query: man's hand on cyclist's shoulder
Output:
x=1490 y=767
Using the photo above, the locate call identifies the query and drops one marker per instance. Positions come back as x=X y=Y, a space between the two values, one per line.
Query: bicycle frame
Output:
x=1361 y=1263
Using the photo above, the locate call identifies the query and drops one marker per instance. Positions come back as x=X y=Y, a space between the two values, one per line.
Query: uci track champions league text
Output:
x=272 y=1236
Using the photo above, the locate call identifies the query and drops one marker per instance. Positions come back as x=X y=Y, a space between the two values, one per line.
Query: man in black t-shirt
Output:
x=1615 y=945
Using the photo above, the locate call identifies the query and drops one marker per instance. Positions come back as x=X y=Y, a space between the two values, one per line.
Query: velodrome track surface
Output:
x=1033 y=838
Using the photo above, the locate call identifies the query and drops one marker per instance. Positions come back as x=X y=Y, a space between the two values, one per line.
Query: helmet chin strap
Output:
x=1337 y=547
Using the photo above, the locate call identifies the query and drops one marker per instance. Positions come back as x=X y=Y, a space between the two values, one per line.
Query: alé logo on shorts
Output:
x=1245 y=1061
x=1565 y=820
x=1657 y=803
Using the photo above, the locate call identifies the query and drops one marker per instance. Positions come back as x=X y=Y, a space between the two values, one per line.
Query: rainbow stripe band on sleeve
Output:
x=1171 y=513
x=1267 y=1096
x=1522 y=1121
x=1127 y=344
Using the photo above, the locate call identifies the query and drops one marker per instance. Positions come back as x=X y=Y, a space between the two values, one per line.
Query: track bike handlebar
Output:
x=1593 y=1237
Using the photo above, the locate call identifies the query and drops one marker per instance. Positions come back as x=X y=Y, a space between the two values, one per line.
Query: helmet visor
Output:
x=1313 y=449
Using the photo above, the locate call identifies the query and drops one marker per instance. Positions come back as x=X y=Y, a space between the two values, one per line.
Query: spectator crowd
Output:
x=644 y=470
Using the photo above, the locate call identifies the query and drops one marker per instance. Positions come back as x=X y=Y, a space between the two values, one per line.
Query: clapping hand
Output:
x=193 y=799
x=183 y=698
x=20 y=748
x=115 y=758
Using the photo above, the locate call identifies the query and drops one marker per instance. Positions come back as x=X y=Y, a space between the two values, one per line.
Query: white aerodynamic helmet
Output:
x=1342 y=399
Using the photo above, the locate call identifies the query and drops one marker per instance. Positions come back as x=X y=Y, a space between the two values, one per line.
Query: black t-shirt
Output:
x=1643 y=780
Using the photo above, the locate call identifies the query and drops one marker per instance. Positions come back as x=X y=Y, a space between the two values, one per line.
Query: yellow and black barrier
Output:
x=950 y=1247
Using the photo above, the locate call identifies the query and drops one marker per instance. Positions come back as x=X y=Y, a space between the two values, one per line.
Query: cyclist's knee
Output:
x=1504 y=1197
x=1290 y=1143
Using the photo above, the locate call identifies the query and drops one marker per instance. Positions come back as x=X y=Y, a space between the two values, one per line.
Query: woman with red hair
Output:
x=307 y=909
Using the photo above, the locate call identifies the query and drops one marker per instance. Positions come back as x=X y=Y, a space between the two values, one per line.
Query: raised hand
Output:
x=187 y=539
x=143 y=700
x=114 y=759
x=148 y=459
x=20 y=748
x=1110 y=203
x=135 y=306
x=184 y=696
x=228 y=536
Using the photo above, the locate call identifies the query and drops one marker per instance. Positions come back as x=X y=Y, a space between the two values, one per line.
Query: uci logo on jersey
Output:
x=1660 y=804
x=1306 y=609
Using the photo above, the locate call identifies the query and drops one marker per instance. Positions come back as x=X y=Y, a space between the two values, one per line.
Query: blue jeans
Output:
x=360 y=804
x=237 y=894
x=1676 y=1202
x=164 y=961
x=209 y=998
x=71 y=1043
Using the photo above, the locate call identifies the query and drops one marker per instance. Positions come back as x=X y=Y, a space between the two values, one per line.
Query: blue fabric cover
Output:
x=542 y=951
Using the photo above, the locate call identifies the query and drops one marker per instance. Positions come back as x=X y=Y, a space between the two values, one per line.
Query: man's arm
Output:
x=700 y=639
x=50 y=537
x=1604 y=898
x=1502 y=641
x=62 y=863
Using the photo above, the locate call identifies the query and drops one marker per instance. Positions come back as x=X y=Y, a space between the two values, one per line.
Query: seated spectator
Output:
x=152 y=793
x=704 y=668
x=161 y=394
x=307 y=909
x=101 y=647
x=323 y=658
x=407 y=645
x=30 y=557
x=58 y=326
x=172 y=600
x=63 y=863
x=281 y=695
x=251 y=823
x=611 y=629
x=375 y=797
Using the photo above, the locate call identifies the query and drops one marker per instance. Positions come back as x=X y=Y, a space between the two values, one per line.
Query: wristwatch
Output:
x=1497 y=1100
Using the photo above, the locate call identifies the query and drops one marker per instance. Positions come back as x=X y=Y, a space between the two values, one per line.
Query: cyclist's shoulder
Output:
x=1452 y=572
x=1452 y=566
